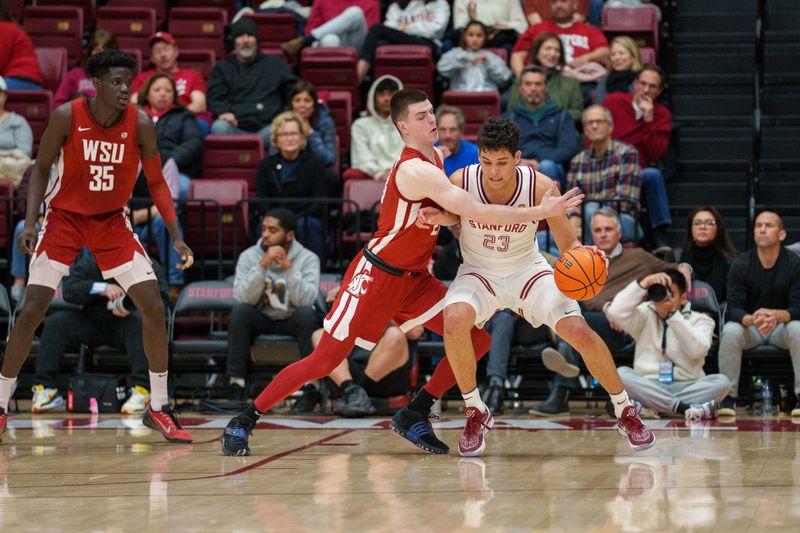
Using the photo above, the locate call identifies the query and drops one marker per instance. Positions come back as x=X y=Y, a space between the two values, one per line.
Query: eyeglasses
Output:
x=710 y=223
x=289 y=135
x=595 y=122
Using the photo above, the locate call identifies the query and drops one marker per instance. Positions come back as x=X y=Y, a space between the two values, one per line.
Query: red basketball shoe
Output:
x=3 y=422
x=471 y=443
x=630 y=425
x=166 y=423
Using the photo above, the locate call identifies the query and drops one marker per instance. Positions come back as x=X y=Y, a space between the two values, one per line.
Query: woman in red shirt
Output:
x=18 y=62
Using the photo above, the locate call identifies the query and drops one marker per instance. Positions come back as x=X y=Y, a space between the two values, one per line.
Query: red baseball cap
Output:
x=162 y=36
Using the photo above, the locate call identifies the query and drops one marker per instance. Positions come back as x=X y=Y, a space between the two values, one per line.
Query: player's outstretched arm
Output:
x=54 y=137
x=417 y=179
x=428 y=216
x=159 y=190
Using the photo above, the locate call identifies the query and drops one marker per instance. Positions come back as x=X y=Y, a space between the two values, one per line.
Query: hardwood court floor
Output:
x=327 y=474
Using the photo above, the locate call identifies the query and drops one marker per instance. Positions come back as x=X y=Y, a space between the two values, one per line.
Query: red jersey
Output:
x=399 y=241
x=578 y=38
x=97 y=166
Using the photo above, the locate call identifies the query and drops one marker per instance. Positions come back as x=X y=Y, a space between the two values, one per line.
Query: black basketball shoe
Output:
x=234 y=438
x=417 y=428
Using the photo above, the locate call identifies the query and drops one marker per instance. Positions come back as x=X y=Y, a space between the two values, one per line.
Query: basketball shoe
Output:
x=234 y=439
x=701 y=411
x=166 y=422
x=136 y=402
x=630 y=425
x=417 y=428
x=3 y=422
x=45 y=399
x=471 y=443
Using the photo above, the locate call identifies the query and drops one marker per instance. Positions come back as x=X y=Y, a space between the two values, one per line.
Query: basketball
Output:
x=580 y=273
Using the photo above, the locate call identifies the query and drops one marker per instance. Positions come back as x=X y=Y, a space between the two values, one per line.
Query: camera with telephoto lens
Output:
x=658 y=292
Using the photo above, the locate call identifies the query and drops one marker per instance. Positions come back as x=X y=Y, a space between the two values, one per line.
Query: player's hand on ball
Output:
x=27 y=239
x=187 y=256
x=599 y=252
x=553 y=204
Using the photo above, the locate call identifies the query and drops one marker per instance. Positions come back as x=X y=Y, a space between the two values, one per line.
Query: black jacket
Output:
x=254 y=92
x=178 y=136
x=750 y=287
x=309 y=180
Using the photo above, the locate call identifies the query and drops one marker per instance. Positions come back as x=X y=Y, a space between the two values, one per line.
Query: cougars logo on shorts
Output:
x=356 y=287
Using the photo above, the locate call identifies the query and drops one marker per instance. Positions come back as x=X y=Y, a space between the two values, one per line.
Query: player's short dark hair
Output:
x=404 y=98
x=498 y=133
x=677 y=278
x=99 y=64
x=286 y=219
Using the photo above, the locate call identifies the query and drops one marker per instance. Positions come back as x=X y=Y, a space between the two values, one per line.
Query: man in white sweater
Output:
x=672 y=342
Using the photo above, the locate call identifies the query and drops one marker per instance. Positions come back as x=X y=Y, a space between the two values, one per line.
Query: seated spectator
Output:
x=623 y=67
x=107 y=317
x=624 y=266
x=504 y=20
x=18 y=62
x=594 y=16
x=190 y=83
x=672 y=342
x=247 y=89
x=177 y=134
x=421 y=22
x=763 y=305
x=375 y=142
x=336 y=23
x=548 y=139
x=457 y=152
x=470 y=66
x=607 y=172
x=77 y=83
x=641 y=121
x=295 y=172
x=303 y=100
x=586 y=48
x=276 y=284
x=707 y=247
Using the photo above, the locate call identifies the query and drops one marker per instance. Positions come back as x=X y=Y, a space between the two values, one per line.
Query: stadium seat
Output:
x=221 y=217
x=200 y=60
x=332 y=68
x=501 y=52
x=274 y=28
x=137 y=55
x=341 y=108
x=55 y=27
x=159 y=6
x=273 y=50
x=87 y=7
x=199 y=28
x=233 y=157
x=640 y=23
x=53 y=64
x=35 y=107
x=704 y=300
x=476 y=106
x=228 y=6
x=132 y=26
x=209 y=303
x=366 y=194
x=412 y=64
x=647 y=55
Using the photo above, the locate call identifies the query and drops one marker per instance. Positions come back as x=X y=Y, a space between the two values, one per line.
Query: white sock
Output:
x=620 y=401
x=238 y=381
x=6 y=386
x=473 y=399
x=158 y=390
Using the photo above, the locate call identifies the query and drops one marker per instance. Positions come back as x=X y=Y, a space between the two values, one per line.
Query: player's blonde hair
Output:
x=288 y=116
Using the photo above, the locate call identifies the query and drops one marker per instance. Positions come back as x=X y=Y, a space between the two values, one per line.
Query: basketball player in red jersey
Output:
x=389 y=280
x=96 y=145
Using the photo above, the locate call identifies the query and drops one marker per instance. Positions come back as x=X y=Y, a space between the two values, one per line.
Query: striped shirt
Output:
x=613 y=176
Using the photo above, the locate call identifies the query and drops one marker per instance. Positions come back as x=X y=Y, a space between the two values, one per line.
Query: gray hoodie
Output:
x=264 y=287
x=375 y=143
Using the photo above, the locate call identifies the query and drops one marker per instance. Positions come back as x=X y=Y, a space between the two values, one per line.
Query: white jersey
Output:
x=502 y=249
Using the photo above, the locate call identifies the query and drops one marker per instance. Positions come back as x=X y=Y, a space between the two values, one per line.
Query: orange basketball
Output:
x=580 y=273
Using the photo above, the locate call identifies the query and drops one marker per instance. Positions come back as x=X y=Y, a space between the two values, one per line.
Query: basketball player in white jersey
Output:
x=503 y=269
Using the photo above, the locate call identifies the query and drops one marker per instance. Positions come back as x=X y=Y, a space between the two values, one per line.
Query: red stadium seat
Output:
x=55 y=27
x=137 y=55
x=228 y=6
x=159 y=6
x=367 y=195
x=640 y=23
x=53 y=64
x=502 y=52
x=274 y=28
x=647 y=55
x=332 y=68
x=16 y=8
x=35 y=107
x=412 y=64
x=476 y=106
x=340 y=106
x=200 y=60
x=132 y=26
x=203 y=219
x=276 y=51
x=199 y=28
x=233 y=157
x=88 y=7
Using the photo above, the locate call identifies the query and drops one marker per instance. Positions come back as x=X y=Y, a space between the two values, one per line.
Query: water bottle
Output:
x=766 y=399
x=758 y=385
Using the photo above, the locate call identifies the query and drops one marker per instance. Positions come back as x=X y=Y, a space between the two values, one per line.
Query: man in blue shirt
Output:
x=457 y=152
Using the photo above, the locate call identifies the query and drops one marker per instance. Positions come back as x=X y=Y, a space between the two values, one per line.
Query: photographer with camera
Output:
x=107 y=318
x=672 y=342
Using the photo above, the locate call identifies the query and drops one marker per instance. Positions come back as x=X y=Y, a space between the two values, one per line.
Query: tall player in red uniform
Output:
x=389 y=280
x=96 y=145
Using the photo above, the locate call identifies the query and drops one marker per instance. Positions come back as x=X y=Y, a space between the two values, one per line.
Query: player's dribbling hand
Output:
x=187 y=256
x=553 y=204
x=27 y=239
